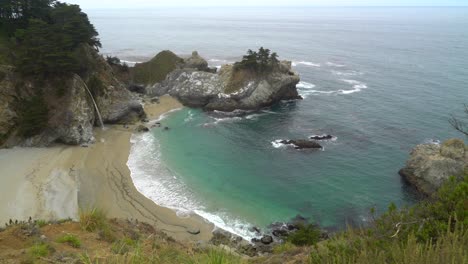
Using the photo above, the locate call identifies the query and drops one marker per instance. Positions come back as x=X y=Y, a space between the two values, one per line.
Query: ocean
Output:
x=380 y=80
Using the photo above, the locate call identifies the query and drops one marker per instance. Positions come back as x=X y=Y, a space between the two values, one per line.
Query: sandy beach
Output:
x=54 y=183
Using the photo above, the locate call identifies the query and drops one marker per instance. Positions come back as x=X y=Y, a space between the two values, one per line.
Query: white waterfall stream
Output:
x=94 y=102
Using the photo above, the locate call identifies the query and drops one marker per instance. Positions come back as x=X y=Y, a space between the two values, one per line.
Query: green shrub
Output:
x=113 y=61
x=123 y=246
x=157 y=69
x=284 y=247
x=219 y=256
x=95 y=85
x=306 y=235
x=93 y=219
x=260 y=62
x=32 y=116
x=70 y=239
x=39 y=250
x=41 y=223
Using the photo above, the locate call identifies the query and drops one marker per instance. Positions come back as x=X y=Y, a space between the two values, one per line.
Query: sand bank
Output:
x=53 y=183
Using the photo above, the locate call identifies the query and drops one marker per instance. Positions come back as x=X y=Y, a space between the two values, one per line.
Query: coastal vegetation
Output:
x=261 y=61
x=45 y=35
x=433 y=231
x=156 y=69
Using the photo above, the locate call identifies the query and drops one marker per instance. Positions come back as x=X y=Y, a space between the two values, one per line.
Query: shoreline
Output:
x=54 y=183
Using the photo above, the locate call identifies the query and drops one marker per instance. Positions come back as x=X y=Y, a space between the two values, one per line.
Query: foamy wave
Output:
x=432 y=141
x=189 y=117
x=332 y=64
x=357 y=86
x=305 y=85
x=277 y=143
x=129 y=63
x=157 y=182
x=305 y=63
x=153 y=179
x=305 y=89
x=232 y=225
x=347 y=73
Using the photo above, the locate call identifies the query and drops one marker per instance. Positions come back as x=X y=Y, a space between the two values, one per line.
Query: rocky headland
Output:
x=194 y=84
x=430 y=165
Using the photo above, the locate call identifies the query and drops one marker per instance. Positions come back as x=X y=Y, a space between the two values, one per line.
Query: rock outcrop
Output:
x=302 y=144
x=430 y=165
x=196 y=62
x=70 y=112
x=7 y=98
x=230 y=88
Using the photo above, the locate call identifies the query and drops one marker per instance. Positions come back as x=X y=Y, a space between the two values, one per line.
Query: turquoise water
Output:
x=379 y=79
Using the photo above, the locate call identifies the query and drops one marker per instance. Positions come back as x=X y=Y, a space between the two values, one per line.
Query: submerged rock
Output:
x=266 y=240
x=324 y=137
x=430 y=165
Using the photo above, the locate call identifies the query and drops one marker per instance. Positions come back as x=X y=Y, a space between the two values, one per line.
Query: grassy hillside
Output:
x=156 y=69
x=432 y=232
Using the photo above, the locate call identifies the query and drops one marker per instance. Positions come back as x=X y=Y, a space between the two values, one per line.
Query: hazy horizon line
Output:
x=277 y=6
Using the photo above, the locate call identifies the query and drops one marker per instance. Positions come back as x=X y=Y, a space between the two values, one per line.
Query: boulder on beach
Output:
x=430 y=165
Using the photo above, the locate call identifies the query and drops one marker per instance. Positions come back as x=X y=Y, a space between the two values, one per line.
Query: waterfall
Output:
x=92 y=98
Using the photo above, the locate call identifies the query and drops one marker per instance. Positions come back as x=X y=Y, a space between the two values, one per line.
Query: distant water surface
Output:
x=379 y=79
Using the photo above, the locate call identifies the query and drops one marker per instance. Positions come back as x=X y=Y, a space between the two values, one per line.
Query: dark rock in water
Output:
x=136 y=88
x=302 y=144
x=142 y=128
x=166 y=128
x=283 y=230
x=193 y=231
x=299 y=220
x=255 y=229
x=267 y=240
x=324 y=137
x=255 y=240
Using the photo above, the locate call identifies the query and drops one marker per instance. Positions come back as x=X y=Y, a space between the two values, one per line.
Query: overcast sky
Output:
x=203 y=3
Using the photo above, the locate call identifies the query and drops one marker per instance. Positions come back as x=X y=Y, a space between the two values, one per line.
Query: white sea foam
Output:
x=305 y=63
x=153 y=179
x=230 y=224
x=305 y=89
x=129 y=63
x=277 y=143
x=190 y=116
x=157 y=182
x=332 y=64
x=347 y=73
x=432 y=141
x=357 y=86
x=305 y=85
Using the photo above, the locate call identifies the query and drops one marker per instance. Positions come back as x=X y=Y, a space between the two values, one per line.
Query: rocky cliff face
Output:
x=70 y=115
x=432 y=164
x=229 y=89
x=7 y=98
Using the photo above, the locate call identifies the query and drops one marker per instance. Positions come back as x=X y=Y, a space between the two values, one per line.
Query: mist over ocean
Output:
x=381 y=80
